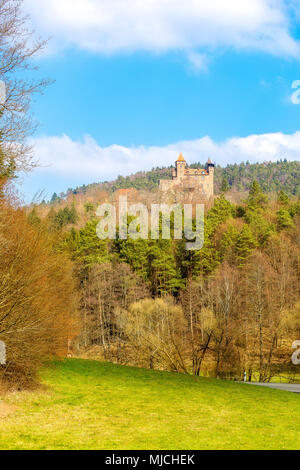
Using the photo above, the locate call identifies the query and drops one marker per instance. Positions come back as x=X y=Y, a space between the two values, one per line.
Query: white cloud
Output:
x=110 y=26
x=88 y=160
x=66 y=163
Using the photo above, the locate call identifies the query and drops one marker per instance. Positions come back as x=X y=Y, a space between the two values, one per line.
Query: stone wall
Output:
x=200 y=182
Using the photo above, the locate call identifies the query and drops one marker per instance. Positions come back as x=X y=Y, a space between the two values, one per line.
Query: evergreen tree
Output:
x=227 y=244
x=50 y=220
x=295 y=208
x=163 y=272
x=188 y=261
x=225 y=185
x=260 y=226
x=88 y=248
x=135 y=253
x=65 y=217
x=219 y=213
x=89 y=207
x=283 y=198
x=54 y=198
x=33 y=218
x=244 y=245
x=256 y=196
x=284 y=219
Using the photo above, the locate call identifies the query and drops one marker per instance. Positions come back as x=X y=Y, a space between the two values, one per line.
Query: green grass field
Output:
x=92 y=405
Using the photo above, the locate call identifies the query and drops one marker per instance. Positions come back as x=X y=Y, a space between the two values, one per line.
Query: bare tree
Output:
x=200 y=320
x=38 y=301
x=18 y=49
x=155 y=330
x=108 y=286
x=270 y=294
x=223 y=295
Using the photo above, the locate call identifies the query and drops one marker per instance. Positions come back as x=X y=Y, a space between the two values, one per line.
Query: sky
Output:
x=136 y=82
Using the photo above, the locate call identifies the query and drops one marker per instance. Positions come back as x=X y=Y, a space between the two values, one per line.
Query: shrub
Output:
x=37 y=300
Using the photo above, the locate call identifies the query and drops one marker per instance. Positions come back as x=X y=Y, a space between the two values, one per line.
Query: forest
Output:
x=272 y=176
x=232 y=306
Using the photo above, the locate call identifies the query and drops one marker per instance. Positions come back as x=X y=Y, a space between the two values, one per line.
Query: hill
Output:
x=92 y=405
x=272 y=176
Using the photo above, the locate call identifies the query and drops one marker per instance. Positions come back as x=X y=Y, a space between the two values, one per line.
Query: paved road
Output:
x=295 y=388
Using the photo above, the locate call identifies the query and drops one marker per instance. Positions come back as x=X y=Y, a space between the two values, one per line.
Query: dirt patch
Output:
x=6 y=410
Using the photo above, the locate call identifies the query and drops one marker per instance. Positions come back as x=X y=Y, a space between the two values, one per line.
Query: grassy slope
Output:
x=92 y=405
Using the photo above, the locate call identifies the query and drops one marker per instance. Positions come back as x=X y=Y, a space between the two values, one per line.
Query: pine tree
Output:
x=220 y=212
x=88 y=248
x=163 y=272
x=256 y=196
x=54 y=198
x=228 y=242
x=225 y=185
x=89 y=207
x=245 y=245
x=33 y=218
x=283 y=198
x=135 y=253
x=284 y=220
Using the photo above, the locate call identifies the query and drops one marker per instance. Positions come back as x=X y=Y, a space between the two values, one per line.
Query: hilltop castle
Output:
x=190 y=179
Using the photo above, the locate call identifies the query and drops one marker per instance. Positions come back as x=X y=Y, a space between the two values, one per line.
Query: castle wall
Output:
x=182 y=180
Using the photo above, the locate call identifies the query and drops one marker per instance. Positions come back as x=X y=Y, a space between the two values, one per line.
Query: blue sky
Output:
x=138 y=82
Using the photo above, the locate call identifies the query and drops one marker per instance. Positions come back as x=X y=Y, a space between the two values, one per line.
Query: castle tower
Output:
x=180 y=166
x=191 y=179
x=210 y=167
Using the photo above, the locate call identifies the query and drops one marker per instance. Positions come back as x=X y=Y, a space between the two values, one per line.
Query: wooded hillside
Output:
x=272 y=177
x=232 y=306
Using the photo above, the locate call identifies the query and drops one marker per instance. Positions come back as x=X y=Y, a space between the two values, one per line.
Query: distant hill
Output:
x=272 y=176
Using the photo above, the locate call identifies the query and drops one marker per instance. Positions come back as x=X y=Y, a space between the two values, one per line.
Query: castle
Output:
x=189 y=179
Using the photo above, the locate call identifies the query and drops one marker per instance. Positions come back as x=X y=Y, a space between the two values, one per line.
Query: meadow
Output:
x=85 y=404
